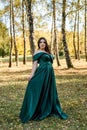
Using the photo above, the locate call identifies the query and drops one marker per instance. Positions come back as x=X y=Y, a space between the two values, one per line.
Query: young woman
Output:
x=41 y=99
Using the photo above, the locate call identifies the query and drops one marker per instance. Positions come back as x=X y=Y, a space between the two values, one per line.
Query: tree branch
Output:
x=72 y=11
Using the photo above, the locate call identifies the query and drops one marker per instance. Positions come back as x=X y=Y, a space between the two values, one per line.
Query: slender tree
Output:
x=67 y=56
x=86 y=30
x=55 y=35
x=15 y=46
x=74 y=36
x=31 y=28
x=51 y=44
x=24 y=40
x=11 y=44
x=78 y=46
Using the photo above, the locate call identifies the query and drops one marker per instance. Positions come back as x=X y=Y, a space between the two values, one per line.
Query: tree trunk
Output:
x=2 y=53
x=15 y=46
x=55 y=36
x=51 y=44
x=78 y=51
x=74 y=43
x=86 y=30
x=23 y=25
x=67 y=56
x=31 y=29
x=11 y=45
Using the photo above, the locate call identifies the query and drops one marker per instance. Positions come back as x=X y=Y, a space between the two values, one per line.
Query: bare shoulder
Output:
x=37 y=51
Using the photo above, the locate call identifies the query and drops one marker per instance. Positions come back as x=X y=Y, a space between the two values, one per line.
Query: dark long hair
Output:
x=47 y=47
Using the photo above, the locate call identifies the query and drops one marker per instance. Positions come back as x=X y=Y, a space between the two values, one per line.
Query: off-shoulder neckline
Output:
x=41 y=52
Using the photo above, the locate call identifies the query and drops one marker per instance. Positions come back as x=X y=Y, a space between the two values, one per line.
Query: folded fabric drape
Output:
x=41 y=97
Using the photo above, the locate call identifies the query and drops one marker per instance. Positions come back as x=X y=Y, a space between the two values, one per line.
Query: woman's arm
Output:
x=34 y=67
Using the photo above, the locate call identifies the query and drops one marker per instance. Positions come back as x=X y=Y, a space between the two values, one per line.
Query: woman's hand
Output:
x=30 y=78
x=35 y=64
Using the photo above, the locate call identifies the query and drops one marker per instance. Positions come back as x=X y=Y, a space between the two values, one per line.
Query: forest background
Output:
x=64 y=24
x=23 y=22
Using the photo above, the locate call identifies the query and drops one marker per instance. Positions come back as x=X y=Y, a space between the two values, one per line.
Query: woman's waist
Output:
x=45 y=63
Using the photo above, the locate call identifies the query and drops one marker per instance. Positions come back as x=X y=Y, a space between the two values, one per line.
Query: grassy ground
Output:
x=72 y=89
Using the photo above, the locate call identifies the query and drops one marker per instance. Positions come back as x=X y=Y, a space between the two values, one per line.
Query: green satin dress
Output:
x=41 y=98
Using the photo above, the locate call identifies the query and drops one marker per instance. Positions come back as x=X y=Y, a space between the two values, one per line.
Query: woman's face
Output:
x=42 y=44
